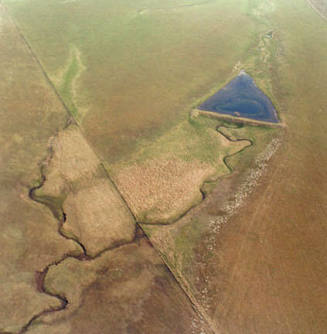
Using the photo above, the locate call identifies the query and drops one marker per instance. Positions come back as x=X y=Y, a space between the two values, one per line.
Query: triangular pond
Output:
x=242 y=98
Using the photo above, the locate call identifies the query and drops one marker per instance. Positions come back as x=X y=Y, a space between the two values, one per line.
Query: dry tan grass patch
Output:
x=163 y=180
x=162 y=189
x=72 y=159
x=95 y=213
x=98 y=217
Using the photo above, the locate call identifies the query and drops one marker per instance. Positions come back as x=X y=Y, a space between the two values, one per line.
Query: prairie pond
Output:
x=242 y=98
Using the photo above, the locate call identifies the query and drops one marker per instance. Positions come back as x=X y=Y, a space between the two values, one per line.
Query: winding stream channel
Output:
x=62 y=218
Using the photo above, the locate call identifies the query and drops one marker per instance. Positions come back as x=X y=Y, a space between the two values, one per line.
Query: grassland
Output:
x=268 y=255
x=320 y=6
x=80 y=195
x=143 y=71
x=133 y=98
x=30 y=114
x=164 y=180
x=67 y=82
x=130 y=73
x=37 y=153
x=126 y=290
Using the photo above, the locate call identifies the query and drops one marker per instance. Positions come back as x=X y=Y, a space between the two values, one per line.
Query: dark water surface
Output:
x=241 y=97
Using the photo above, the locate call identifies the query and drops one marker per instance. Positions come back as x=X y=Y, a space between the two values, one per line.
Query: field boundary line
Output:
x=317 y=10
x=194 y=303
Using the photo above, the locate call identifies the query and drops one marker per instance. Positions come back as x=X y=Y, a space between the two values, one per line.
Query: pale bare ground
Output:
x=95 y=213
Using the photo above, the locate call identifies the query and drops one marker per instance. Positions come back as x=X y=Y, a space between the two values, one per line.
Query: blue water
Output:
x=242 y=98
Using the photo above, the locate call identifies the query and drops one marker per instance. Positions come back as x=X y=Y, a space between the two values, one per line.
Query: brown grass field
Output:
x=263 y=269
x=163 y=180
x=32 y=119
x=77 y=187
x=122 y=210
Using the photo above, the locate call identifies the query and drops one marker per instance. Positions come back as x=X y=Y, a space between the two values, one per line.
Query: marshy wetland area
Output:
x=163 y=166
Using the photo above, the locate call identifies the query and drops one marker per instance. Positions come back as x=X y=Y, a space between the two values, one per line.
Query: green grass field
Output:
x=146 y=64
x=131 y=73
